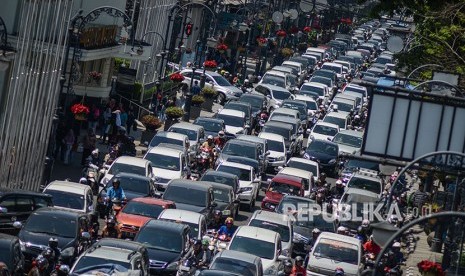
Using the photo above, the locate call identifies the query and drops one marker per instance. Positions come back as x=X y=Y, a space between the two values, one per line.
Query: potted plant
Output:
x=177 y=77
x=261 y=41
x=222 y=48
x=96 y=76
x=307 y=29
x=196 y=106
x=287 y=52
x=173 y=113
x=80 y=111
x=429 y=268
x=151 y=122
x=210 y=64
x=209 y=94
x=281 y=34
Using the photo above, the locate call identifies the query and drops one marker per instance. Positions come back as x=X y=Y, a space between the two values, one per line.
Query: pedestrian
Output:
x=196 y=88
x=171 y=102
x=60 y=147
x=161 y=111
x=123 y=115
x=69 y=142
x=89 y=144
x=115 y=124
x=94 y=117
x=131 y=120
x=106 y=130
x=419 y=197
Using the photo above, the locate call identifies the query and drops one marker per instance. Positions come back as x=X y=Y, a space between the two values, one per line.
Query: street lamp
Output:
x=187 y=105
x=197 y=52
x=203 y=76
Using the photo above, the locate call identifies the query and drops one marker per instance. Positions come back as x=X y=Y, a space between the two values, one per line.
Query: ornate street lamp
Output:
x=187 y=105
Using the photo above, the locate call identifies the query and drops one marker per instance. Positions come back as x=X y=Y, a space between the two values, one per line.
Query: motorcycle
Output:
x=203 y=160
x=187 y=268
x=263 y=117
x=222 y=242
x=91 y=173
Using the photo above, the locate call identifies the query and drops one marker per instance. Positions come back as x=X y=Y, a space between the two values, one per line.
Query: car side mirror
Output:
x=85 y=236
x=17 y=225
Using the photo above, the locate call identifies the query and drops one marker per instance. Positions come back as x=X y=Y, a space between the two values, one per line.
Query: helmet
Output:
x=322 y=175
x=197 y=242
x=218 y=213
x=288 y=264
x=341 y=229
x=53 y=242
x=63 y=270
x=48 y=254
x=221 y=133
x=316 y=231
x=299 y=259
x=396 y=245
x=111 y=221
x=205 y=242
x=210 y=137
x=229 y=220
x=42 y=263
x=365 y=223
x=338 y=182
x=83 y=180
x=95 y=152
x=116 y=181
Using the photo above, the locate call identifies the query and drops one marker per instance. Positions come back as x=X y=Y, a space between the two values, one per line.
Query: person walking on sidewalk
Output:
x=69 y=142
x=196 y=88
x=89 y=145
x=131 y=122
x=94 y=117
x=106 y=126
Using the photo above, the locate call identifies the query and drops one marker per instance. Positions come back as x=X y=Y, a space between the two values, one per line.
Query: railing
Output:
x=99 y=37
x=139 y=110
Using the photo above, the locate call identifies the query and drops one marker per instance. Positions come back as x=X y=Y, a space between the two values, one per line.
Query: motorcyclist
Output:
x=366 y=227
x=62 y=270
x=228 y=229
x=209 y=146
x=287 y=269
x=208 y=251
x=53 y=244
x=361 y=234
x=338 y=190
x=398 y=255
x=264 y=114
x=322 y=180
x=4 y=269
x=115 y=191
x=341 y=230
x=197 y=254
x=315 y=233
x=217 y=221
x=371 y=247
x=111 y=230
x=299 y=269
x=220 y=140
x=93 y=161
x=49 y=254
x=39 y=267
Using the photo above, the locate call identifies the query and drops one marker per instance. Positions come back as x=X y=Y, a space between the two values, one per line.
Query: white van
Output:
x=279 y=79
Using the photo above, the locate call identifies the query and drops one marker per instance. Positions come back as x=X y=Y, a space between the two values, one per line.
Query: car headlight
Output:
x=332 y=161
x=280 y=158
x=22 y=245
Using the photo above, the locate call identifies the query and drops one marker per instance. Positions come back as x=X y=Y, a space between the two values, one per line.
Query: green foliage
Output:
x=174 y=112
x=198 y=100
x=208 y=92
x=119 y=62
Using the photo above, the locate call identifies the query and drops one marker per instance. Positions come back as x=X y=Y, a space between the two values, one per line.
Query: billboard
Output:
x=408 y=125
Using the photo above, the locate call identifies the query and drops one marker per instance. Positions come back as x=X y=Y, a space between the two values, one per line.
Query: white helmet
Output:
x=339 y=182
x=210 y=137
x=83 y=180
x=396 y=245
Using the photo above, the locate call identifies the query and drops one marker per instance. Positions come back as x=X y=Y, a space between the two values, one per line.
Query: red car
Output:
x=138 y=211
x=279 y=186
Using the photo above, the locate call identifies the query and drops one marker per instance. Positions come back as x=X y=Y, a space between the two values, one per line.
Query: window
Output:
x=24 y=204
x=9 y=204
x=41 y=202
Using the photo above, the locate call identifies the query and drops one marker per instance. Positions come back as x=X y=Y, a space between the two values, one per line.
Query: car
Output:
x=234 y=121
x=196 y=196
x=167 y=243
x=262 y=243
x=177 y=140
x=356 y=89
x=197 y=222
x=130 y=165
x=287 y=70
x=309 y=63
x=357 y=98
x=167 y=164
x=301 y=108
x=350 y=166
x=71 y=196
x=214 y=272
x=229 y=179
x=244 y=107
x=133 y=186
x=11 y=255
x=326 y=153
x=299 y=67
x=306 y=176
x=18 y=205
x=225 y=199
x=195 y=133
x=238 y=147
x=257 y=101
x=306 y=165
x=286 y=112
x=248 y=185
x=249 y=162
x=128 y=256
x=322 y=90
x=332 y=86
x=262 y=152
x=349 y=141
x=343 y=105
x=332 y=251
x=323 y=131
x=348 y=65
x=239 y=263
x=275 y=94
x=276 y=148
x=326 y=74
x=285 y=130
x=312 y=105
x=280 y=185
x=226 y=91
x=297 y=130
x=335 y=67
x=366 y=180
x=69 y=227
x=278 y=223
x=341 y=119
x=138 y=211
x=211 y=125
x=278 y=79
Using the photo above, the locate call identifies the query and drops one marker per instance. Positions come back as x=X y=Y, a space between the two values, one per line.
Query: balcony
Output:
x=98 y=37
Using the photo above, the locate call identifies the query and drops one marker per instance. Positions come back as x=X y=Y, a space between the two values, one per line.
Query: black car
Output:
x=326 y=153
x=257 y=101
x=133 y=186
x=229 y=179
x=225 y=199
x=211 y=125
x=244 y=107
x=11 y=255
x=17 y=205
x=69 y=227
x=236 y=147
x=167 y=242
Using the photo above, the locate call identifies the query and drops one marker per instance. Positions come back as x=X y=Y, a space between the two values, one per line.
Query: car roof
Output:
x=341 y=100
x=172 y=135
x=242 y=142
x=271 y=136
x=285 y=119
x=238 y=255
x=279 y=67
x=5 y=191
x=304 y=98
x=295 y=172
x=287 y=179
x=215 y=272
x=290 y=62
x=209 y=119
x=238 y=103
x=295 y=102
x=110 y=253
x=181 y=215
x=271 y=217
x=242 y=160
x=258 y=95
x=314 y=84
x=257 y=233
x=273 y=87
x=222 y=174
x=303 y=160
x=332 y=64
x=211 y=73
x=342 y=115
x=361 y=192
x=276 y=73
x=167 y=225
x=284 y=110
x=135 y=161
x=235 y=165
x=153 y=201
x=195 y=185
x=185 y=125
x=174 y=152
x=339 y=237
x=327 y=124
x=131 y=175
x=232 y=112
x=351 y=132
x=119 y=243
x=278 y=124
x=69 y=187
x=53 y=211
x=219 y=186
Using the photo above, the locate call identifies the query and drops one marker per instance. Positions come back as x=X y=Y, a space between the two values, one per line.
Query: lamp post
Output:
x=203 y=76
x=197 y=52
x=187 y=104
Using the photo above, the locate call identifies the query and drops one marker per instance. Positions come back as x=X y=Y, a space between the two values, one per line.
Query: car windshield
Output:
x=243 y=174
x=219 y=179
x=210 y=126
x=240 y=149
x=231 y=120
x=221 y=81
x=132 y=184
x=337 y=251
x=335 y=69
x=325 y=74
x=344 y=139
x=275 y=145
x=307 y=88
x=221 y=195
x=66 y=199
x=320 y=146
x=165 y=140
x=192 y=134
x=354 y=163
x=295 y=68
x=365 y=184
x=283 y=188
x=194 y=228
x=282 y=230
x=325 y=130
x=285 y=132
x=303 y=166
x=335 y=120
x=319 y=221
x=296 y=106
x=254 y=101
x=355 y=90
x=253 y=246
x=281 y=95
x=142 y=209
x=165 y=162
x=89 y=263
x=117 y=168
x=234 y=265
x=160 y=239
x=326 y=81
x=52 y=224
x=184 y=195
x=311 y=105
x=349 y=198
x=292 y=202
x=346 y=107
x=239 y=107
x=274 y=80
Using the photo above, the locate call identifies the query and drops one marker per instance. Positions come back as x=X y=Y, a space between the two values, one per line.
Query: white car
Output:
x=128 y=164
x=338 y=118
x=195 y=133
x=349 y=141
x=275 y=94
x=260 y=242
x=285 y=112
x=322 y=90
x=71 y=196
x=312 y=106
x=279 y=79
x=357 y=89
x=301 y=71
x=167 y=164
x=332 y=251
x=323 y=131
x=248 y=186
x=308 y=180
x=234 y=121
x=178 y=140
x=196 y=221
x=276 y=147
x=306 y=165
